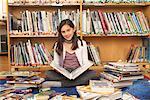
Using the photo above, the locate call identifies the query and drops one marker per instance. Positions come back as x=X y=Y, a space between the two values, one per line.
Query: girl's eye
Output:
x=63 y=32
x=68 y=30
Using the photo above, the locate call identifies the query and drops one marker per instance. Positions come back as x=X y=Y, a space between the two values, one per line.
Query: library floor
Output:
x=4 y=63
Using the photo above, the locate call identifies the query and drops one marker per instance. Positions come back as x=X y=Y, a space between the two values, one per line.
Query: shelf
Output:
x=38 y=36
x=46 y=4
x=147 y=3
x=142 y=63
x=84 y=35
x=3 y=53
x=115 y=4
x=116 y=35
x=77 y=4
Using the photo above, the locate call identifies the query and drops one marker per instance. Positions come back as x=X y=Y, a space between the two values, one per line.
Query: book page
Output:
x=61 y=70
x=74 y=74
x=80 y=70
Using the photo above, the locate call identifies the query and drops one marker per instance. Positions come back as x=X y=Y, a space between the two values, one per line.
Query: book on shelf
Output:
x=3 y=43
x=41 y=22
x=93 y=53
x=27 y=54
x=3 y=37
x=137 y=54
x=115 y=23
x=146 y=44
x=94 y=22
x=75 y=73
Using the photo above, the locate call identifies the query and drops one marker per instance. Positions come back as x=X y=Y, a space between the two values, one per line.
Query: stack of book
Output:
x=25 y=82
x=4 y=90
x=99 y=90
x=19 y=84
x=121 y=74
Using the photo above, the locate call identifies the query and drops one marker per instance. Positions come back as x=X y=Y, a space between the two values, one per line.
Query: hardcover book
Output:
x=75 y=73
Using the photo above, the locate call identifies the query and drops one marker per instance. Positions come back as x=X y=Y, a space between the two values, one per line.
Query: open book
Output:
x=75 y=73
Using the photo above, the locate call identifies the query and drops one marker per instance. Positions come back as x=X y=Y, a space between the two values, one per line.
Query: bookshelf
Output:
x=112 y=47
x=45 y=37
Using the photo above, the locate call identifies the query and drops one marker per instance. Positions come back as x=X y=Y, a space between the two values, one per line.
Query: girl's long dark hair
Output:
x=61 y=39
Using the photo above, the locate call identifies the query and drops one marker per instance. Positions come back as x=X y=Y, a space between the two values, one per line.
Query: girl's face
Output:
x=67 y=32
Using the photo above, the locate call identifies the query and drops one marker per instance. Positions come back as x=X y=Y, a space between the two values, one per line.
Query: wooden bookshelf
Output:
x=47 y=38
x=116 y=35
x=112 y=47
x=116 y=4
x=3 y=53
x=35 y=36
x=47 y=4
x=115 y=47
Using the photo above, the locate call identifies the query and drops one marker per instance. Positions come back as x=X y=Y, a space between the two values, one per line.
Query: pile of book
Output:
x=99 y=90
x=121 y=74
x=19 y=84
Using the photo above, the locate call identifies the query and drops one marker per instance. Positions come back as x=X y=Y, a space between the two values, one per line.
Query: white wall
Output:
x=2 y=9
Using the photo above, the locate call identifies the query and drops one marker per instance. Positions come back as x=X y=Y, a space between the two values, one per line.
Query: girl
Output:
x=70 y=52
